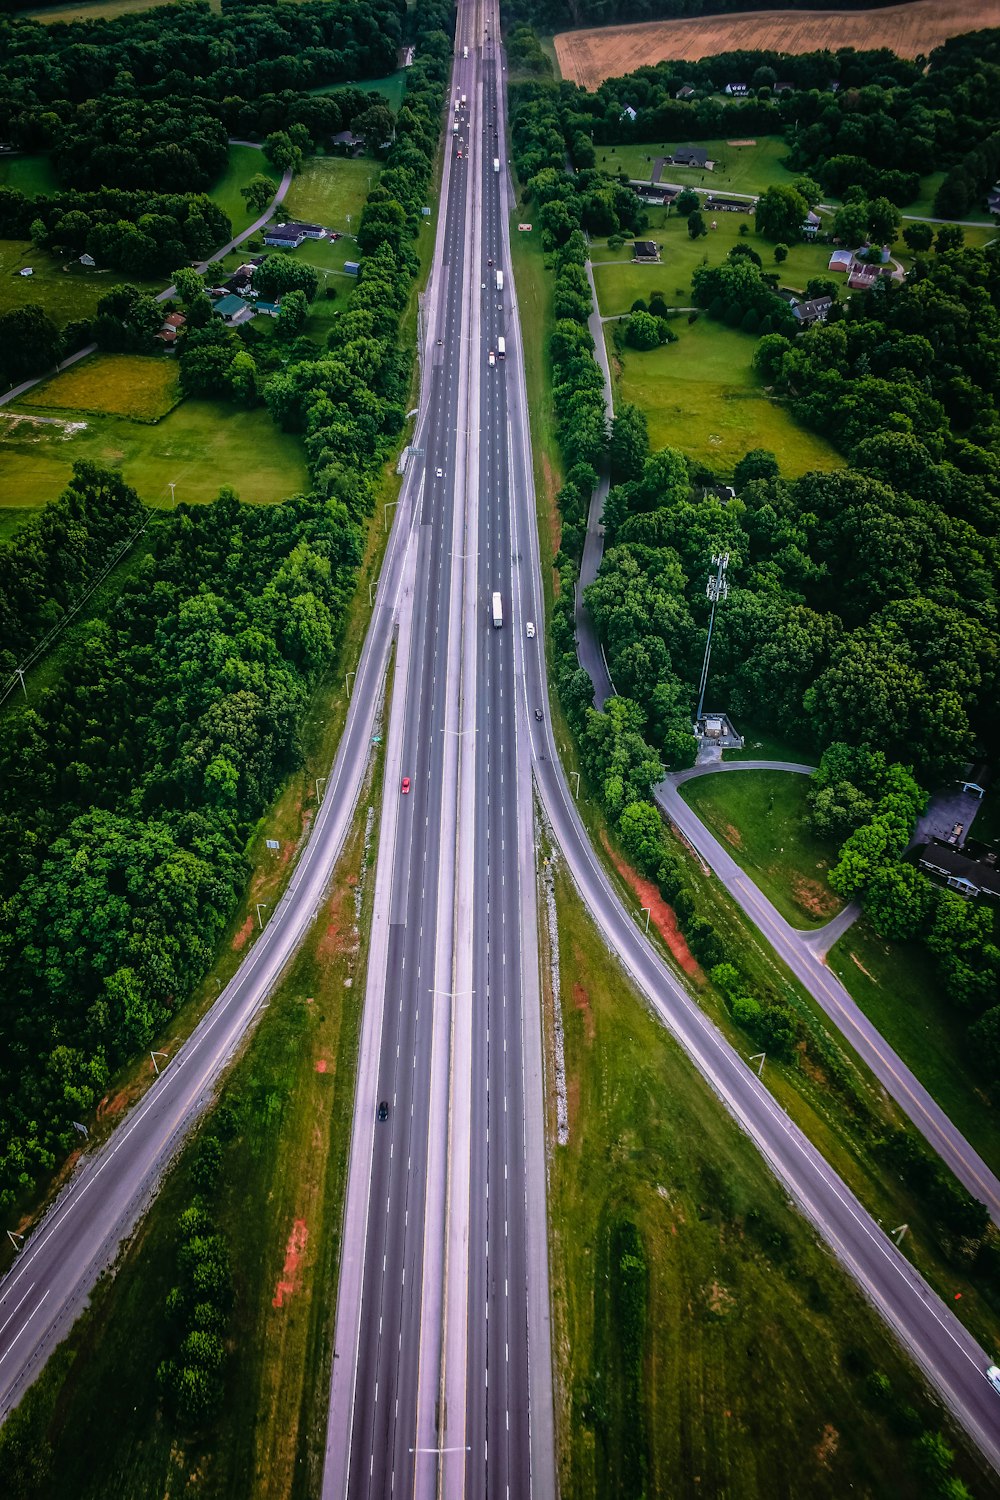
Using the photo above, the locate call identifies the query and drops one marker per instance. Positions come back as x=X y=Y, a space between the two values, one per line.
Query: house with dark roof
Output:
x=686 y=91
x=813 y=310
x=283 y=236
x=690 y=156
x=645 y=250
x=348 y=143
x=961 y=871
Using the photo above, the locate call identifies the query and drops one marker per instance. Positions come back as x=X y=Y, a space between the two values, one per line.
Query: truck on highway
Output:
x=463 y=101
x=501 y=348
x=465 y=53
x=497 y=611
x=499 y=281
x=496 y=163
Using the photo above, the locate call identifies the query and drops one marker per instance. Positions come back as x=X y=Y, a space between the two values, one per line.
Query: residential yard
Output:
x=142 y=387
x=200 y=446
x=66 y=290
x=752 y=1380
x=738 y=168
x=32 y=175
x=895 y=986
x=328 y=189
x=700 y=395
x=287 y=1108
x=761 y=818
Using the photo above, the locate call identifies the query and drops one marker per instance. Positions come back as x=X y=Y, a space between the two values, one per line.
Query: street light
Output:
x=646 y=909
x=347 y=681
x=260 y=919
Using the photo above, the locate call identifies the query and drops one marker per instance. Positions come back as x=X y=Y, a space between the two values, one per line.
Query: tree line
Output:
x=556 y=15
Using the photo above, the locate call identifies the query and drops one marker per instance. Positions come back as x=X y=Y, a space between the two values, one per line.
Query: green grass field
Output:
x=392 y=87
x=895 y=986
x=31 y=175
x=738 y=169
x=200 y=446
x=244 y=163
x=700 y=395
x=280 y=1201
x=90 y=10
x=142 y=387
x=328 y=189
x=761 y=818
x=65 y=289
x=757 y=1344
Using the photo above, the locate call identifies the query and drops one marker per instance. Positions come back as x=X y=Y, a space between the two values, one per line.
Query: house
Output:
x=737 y=90
x=88 y=261
x=271 y=309
x=959 y=870
x=690 y=156
x=308 y=231
x=628 y=113
x=686 y=91
x=233 y=309
x=811 y=224
x=993 y=200
x=815 y=310
x=283 y=236
x=784 y=87
x=861 y=276
x=841 y=260
x=174 y=320
x=348 y=143
x=645 y=250
x=728 y=205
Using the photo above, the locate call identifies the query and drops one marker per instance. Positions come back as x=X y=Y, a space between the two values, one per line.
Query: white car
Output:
x=529 y=630
x=439 y=473
x=993 y=1376
x=492 y=357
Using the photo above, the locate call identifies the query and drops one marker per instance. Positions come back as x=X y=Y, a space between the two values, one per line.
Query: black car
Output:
x=383 y=1109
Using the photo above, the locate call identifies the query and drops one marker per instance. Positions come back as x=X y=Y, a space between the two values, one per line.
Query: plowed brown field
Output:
x=588 y=57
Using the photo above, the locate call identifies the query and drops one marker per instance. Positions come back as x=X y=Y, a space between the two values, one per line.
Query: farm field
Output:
x=328 y=189
x=32 y=175
x=700 y=395
x=754 y=1347
x=200 y=446
x=588 y=57
x=895 y=986
x=65 y=289
x=143 y=387
x=760 y=816
x=392 y=87
x=89 y=10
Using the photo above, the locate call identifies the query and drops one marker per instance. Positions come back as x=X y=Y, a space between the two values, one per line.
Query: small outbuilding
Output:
x=646 y=250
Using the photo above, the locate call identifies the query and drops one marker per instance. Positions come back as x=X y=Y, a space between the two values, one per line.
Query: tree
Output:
x=780 y=252
x=949 y=237
x=696 y=224
x=292 y=314
x=918 y=237
x=258 y=192
x=759 y=463
x=884 y=220
x=282 y=152
x=127 y=320
x=641 y=331
x=898 y=901
x=279 y=274
x=629 y=446
x=30 y=342
x=781 y=212
x=686 y=202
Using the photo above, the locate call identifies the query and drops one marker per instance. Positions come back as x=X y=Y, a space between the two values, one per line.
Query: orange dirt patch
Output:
x=732 y=836
x=588 y=57
x=110 y=1107
x=289 y=1281
x=856 y=960
x=741 y=143
x=321 y=1065
x=816 y=899
x=582 y=1002
x=242 y=937
x=661 y=915
x=827 y=1445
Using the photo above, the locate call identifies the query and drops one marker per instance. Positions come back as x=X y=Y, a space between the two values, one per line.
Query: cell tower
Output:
x=717 y=590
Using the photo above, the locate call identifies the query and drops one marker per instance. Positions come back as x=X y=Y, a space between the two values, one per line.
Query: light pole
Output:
x=171 y=486
x=347 y=681
x=319 y=780
x=761 y=1056
x=647 y=910
x=385 y=513
x=154 y=1056
x=371 y=600
x=260 y=919
x=717 y=589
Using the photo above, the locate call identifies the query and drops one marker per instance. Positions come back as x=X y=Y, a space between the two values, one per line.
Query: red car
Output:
x=406 y=784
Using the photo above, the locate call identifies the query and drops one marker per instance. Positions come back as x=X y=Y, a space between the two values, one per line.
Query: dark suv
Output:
x=383 y=1109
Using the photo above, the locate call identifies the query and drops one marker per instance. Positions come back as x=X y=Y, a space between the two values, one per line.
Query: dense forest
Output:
x=862 y=616
x=129 y=788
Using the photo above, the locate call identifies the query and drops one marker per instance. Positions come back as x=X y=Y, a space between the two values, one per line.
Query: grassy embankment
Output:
x=280 y=1202
x=761 y=817
x=754 y=1346
x=825 y=1090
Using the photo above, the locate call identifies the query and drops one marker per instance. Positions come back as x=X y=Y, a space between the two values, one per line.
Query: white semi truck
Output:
x=497 y=611
x=499 y=281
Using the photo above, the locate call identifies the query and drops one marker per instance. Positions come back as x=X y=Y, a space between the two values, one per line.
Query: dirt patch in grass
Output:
x=294 y=1251
x=719 y=1299
x=582 y=1002
x=828 y=1444
x=242 y=935
x=734 y=836
x=866 y=972
x=661 y=915
x=816 y=899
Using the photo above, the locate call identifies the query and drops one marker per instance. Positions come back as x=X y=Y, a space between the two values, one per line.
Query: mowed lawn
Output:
x=700 y=395
x=392 y=87
x=329 y=188
x=760 y=816
x=895 y=986
x=738 y=169
x=64 y=288
x=32 y=175
x=200 y=446
x=244 y=163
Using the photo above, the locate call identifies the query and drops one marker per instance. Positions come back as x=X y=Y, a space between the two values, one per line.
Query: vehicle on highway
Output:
x=383 y=1109
x=993 y=1376
x=496 y=163
x=529 y=630
x=465 y=53
x=497 y=611
x=405 y=786
x=501 y=347
x=460 y=153
x=491 y=358
x=439 y=473
x=538 y=714
x=499 y=281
